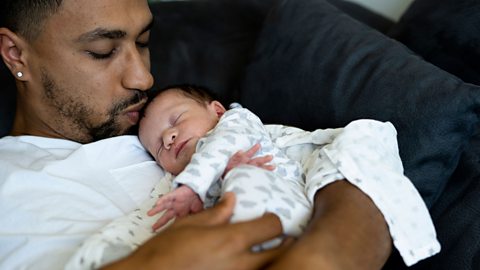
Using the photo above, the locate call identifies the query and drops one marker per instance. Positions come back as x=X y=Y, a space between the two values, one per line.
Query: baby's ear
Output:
x=217 y=107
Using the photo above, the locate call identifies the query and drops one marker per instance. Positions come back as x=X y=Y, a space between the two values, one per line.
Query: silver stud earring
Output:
x=19 y=74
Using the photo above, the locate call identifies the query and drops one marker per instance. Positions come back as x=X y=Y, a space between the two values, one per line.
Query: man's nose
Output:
x=137 y=74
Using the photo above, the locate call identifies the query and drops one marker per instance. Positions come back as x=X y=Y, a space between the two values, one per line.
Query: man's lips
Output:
x=137 y=107
x=180 y=147
x=133 y=117
x=133 y=112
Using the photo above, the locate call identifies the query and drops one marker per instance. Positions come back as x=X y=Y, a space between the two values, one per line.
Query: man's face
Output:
x=172 y=126
x=90 y=67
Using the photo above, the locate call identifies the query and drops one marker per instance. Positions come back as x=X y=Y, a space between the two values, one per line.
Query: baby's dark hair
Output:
x=200 y=94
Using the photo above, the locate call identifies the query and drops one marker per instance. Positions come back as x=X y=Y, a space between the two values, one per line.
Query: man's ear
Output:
x=11 y=49
x=217 y=107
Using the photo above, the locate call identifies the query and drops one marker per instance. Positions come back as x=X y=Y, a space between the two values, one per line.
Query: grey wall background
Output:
x=391 y=9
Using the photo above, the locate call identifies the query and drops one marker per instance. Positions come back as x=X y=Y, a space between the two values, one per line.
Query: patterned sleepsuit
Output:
x=257 y=190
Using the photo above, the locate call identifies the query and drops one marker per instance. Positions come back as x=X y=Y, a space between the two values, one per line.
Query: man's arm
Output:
x=207 y=241
x=347 y=231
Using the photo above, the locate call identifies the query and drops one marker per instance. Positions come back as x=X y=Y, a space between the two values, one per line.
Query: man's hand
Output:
x=207 y=241
x=241 y=158
x=177 y=203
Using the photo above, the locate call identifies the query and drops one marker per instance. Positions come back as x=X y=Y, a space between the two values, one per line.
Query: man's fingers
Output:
x=219 y=214
x=266 y=228
x=261 y=259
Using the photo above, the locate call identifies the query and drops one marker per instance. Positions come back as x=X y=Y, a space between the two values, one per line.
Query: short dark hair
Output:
x=27 y=17
x=200 y=94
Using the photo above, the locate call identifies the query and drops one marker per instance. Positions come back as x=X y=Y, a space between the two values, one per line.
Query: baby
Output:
x=193 y=137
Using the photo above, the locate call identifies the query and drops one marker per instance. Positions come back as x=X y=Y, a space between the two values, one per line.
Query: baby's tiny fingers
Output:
x=268 y=167
x=157 y=209
x=152 y=212
x=254 y=149
x=261 y=160
x=167 y=216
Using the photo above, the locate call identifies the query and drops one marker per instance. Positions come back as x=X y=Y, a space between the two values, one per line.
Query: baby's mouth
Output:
x=180 y=147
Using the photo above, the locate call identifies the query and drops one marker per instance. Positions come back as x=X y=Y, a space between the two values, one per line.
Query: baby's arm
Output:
x=183 y=200
x=237 y=130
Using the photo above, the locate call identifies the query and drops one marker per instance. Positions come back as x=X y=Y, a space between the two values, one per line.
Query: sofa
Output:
x=322 y=64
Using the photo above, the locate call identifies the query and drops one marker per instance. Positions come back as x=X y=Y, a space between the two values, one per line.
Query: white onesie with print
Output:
x=257 y=190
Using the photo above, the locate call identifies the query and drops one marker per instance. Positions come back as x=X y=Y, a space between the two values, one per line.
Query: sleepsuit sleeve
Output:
x=238 y=129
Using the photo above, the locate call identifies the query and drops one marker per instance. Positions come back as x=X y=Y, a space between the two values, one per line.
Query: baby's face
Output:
x=172 y=126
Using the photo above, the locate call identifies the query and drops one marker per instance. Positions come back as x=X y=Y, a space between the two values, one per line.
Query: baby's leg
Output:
x=259 y=191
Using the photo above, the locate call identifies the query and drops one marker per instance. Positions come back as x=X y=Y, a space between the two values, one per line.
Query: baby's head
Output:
x=174 y=121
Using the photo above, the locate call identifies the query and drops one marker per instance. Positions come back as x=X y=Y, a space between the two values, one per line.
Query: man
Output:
x=81 y=70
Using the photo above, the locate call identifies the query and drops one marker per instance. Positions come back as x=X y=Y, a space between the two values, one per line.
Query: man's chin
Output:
x=132 y=130
x=126 y=125
x=112 y=129
x=125 y=129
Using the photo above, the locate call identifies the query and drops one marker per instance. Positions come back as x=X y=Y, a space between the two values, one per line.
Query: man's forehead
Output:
x=102 y=18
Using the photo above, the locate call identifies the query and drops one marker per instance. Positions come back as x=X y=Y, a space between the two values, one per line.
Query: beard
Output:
x=75 y=113
x=110 y=127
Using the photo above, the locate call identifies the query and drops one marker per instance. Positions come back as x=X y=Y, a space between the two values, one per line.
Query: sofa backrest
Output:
x=7 y=101
x=208 y=42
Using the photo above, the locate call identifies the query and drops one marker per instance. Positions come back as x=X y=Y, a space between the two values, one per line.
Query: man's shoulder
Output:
x=35 y=141
x=108 y=153
x=25 y=147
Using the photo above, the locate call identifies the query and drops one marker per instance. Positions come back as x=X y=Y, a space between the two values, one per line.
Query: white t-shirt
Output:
x=55 y=193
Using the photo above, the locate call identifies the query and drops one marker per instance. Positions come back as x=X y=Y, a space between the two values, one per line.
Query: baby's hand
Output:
x=240 y=158
x=177 y=203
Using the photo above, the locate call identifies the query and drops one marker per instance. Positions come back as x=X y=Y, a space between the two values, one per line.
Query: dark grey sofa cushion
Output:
x=445 y=33
x=7 y=101
x=205 y=42
x=315 y=67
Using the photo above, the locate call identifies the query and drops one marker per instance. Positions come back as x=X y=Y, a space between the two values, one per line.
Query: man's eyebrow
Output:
x=148 y=27
x=103 y=33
